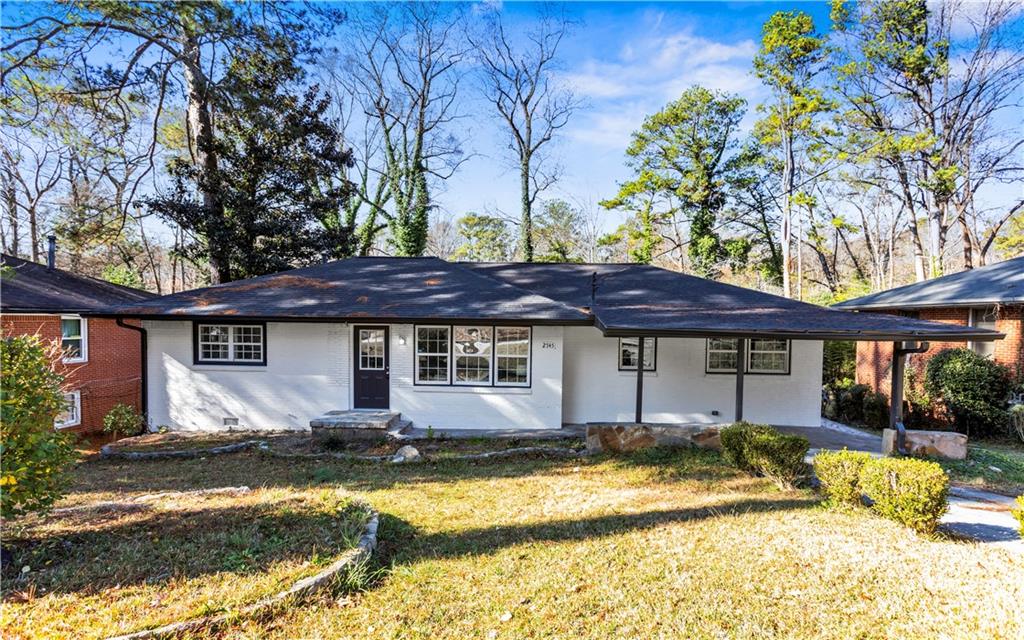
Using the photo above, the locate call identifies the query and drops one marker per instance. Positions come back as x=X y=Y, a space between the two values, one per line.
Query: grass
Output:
x=99 y=570
x=994 y=466
x=661 y=544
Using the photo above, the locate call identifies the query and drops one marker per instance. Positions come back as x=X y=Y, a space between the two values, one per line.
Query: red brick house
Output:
x=103 y=357
x=990 y=297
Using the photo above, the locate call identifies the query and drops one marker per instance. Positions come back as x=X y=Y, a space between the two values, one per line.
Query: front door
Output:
x=371 y=368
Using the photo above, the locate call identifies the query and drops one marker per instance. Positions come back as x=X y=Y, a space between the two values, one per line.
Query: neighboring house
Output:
x=102 y=361
x=990 y=297
x=463 y=345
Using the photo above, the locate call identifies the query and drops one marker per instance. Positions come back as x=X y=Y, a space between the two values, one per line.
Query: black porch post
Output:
x=896 y=388
x=741 y=361
x=640 y=381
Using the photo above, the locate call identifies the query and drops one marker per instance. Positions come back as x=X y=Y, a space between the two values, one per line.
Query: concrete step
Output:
x=382 y=419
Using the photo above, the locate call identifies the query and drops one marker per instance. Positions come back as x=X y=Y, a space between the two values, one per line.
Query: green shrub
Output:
x=909 y=491
x=973 y=388
x=760 y=449
x=850 y=402
x=734 y=442
x=33 y=456
x=777 y=456
x=875 y=410
x=124 y=419
x=839 y=473
x=1018 y=513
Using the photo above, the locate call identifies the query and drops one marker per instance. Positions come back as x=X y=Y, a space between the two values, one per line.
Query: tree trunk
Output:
x=526 y=223
x=788 y=175
x=200 y=126
x=11 y=200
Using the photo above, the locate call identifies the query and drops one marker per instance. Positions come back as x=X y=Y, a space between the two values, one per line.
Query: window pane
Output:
x=513 y=370
x=513 y=341
x=722 y=361
x=371 y=349
x=71 y=327
x=72 y=348
x=472 y=347
x=433 y=368
x=722 y=344
x=212 y=333
x=629 y=353
x=248 y=343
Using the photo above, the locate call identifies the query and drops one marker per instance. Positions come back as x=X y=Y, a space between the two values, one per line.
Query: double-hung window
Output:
x=74 y=338
x=231 y=344
x=764 y=355
x=473 y=350
x=512 y=350
x=432 y=355
x=472 y=355
x=984 y=318
x=72 y=414
x=629 y=353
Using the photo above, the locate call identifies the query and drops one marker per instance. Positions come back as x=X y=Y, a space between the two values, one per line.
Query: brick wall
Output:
x=112 y=373
x=874 y=359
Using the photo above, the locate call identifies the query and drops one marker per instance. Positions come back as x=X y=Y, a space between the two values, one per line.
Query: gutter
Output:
x=144 y=368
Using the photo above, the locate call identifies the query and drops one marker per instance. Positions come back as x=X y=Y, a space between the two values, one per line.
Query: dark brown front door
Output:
x=371 y=368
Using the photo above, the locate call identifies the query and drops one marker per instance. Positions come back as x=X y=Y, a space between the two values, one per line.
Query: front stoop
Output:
x=357 y=425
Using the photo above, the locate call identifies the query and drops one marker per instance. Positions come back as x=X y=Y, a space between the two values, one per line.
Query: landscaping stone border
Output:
x=264 y=447
x=299 y=592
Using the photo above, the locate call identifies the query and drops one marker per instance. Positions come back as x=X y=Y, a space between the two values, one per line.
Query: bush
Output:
x=123 y=419
x=734 y=442
x=33 y=456
x=973 y=388
x=777 y=456
x=911 y=492
x=875 y=410
x=1018 y=513
x=839 y=473
x=757 y=448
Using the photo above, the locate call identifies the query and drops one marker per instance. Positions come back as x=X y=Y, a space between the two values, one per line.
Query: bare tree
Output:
x=532 y=104
x=32 y=174
x=404 y=70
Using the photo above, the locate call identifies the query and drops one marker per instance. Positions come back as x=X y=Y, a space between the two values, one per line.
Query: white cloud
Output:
x=647 y=73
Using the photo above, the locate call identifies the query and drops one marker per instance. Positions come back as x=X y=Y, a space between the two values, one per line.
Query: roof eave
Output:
x=859 y=336
x=584 y=321
x=967 y=304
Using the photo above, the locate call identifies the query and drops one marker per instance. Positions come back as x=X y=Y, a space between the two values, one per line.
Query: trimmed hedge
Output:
x=839 y=473
x=734 y=442
x=911 y=492
x=875 y=410
x=760 y=449
x=1019 y=514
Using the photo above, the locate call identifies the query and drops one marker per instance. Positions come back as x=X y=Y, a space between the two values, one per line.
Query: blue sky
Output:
x=627 y=60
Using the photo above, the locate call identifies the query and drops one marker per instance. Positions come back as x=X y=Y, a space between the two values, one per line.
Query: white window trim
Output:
x=84 y=324
x=747 y=369
x=707 y=356
x=77 y=403
x=528 y=357
x=231 y=359
x=416 y=355
x=455 y=358
x=653 y=353
x=973 y=320
x=751 y=351
x=492 y=382
x=383 y=357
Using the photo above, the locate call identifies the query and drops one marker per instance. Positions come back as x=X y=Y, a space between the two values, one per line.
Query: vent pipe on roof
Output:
x=51 y=251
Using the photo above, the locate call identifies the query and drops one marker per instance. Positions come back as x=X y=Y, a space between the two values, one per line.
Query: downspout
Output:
x=144 y=368
x=896 y=396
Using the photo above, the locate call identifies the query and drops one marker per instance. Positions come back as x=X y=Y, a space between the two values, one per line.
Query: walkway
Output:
x=979 y=515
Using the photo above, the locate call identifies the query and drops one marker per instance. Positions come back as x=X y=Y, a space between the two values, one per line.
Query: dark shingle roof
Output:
x=630 y=299
x=408 y=289
x=634 y=298
x=1000 y=283
x=28 y=287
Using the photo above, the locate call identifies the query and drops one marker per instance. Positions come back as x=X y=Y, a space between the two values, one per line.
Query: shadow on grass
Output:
x=486 y=540
x=94 y=551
